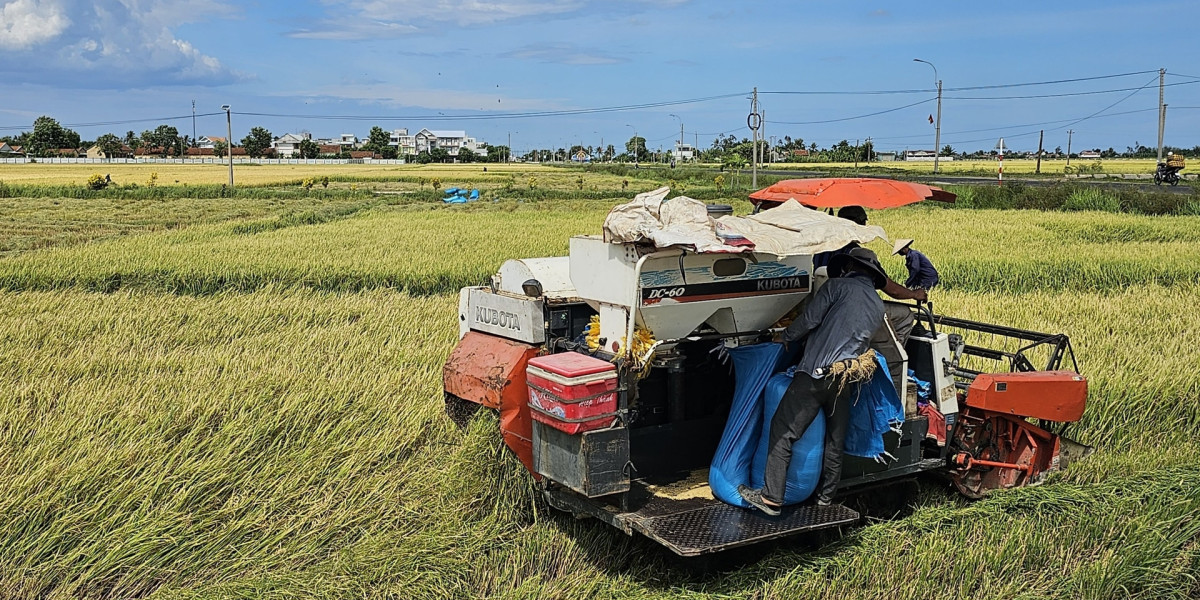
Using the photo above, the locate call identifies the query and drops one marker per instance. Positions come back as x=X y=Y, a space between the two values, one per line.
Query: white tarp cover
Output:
x=787 y=230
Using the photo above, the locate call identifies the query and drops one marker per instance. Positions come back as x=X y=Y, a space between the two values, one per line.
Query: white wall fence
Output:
x=202 y=161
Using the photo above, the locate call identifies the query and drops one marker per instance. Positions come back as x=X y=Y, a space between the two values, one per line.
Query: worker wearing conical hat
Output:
x=921 y=273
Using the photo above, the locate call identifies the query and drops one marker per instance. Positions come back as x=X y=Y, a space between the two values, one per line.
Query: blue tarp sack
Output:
x=730 y=468
x=875 y=409
x=755 y=398
x=808 y=453
x=924 y=389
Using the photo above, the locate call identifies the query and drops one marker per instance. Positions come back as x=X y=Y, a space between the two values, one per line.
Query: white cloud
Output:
x=564 y=54
x=26 y=23
x=391 y=95
x=375 y=19
x=107 y=43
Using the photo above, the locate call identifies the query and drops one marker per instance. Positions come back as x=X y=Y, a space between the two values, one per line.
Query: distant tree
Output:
x=725 y=143
x=109 y=144
x=163 y=138
x=257 y=142
x=636 y=147
x=947 y=150
x=466 y=155
x=497 y=154
x=379 y=142
x=438 y=155
x=48 y=135
x=220 y=148
x=309 y=149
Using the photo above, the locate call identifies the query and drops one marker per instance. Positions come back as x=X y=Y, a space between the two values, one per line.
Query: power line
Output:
x=1070 y=124
x=1012 y=85
x=1011 y=127
x=1062 y=95
x=882 y=112
x=952 y=89
x=490 y=116
x=1105 y=109
x=111 y=123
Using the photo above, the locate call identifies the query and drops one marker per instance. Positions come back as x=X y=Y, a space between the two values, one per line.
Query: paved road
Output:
x=1143 y=185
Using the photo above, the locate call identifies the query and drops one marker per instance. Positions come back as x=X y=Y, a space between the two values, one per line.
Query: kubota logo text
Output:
x=782 y=283
x=499 y=318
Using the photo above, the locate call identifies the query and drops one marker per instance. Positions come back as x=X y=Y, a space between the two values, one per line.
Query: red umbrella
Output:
x=839 y=192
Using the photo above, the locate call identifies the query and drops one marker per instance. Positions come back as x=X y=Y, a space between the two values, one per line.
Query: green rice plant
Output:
x=1092 y=199
x=248 y=404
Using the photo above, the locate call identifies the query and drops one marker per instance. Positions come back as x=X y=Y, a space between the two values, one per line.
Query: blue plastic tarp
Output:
x=741 y=456
x=730 y=467
x=804 y=471
x=875 y=408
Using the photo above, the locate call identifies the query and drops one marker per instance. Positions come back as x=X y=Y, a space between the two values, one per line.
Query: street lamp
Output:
x=508 y=155
x=635 y=145
x=229 y=142
x=937 y=136
x=679 y=148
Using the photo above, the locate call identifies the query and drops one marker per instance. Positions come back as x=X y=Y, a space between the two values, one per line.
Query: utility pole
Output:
x=1070 y=132
x=1162 y=111
x=1039 y=162
x=229 y=143
x=193 y=121
x=937 y=135
x=754 y=121
x=508 y=157
x=762 y=137
x=856 y=154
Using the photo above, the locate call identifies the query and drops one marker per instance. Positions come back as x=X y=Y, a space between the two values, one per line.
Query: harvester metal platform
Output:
x=679 y=512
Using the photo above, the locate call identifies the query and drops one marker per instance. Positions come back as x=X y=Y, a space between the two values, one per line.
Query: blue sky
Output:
x=451 y=64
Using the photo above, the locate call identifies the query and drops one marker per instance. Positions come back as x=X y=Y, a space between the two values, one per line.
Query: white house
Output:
x=289 y=143
x=1089 y=154
x=426 y=140
x=925 y=156
x=683 y=151
x=205 y=142
x=348 y=141
x=405 y=144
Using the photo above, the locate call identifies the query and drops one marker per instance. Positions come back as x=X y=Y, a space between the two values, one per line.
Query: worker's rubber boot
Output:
x=755 y=499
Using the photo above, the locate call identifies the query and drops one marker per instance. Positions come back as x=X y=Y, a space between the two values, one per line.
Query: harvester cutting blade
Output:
x=1070 y=451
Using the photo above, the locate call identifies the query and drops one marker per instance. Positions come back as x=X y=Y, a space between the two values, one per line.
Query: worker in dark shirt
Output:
x=838 y=324
x=921 y=274
x=900 y=317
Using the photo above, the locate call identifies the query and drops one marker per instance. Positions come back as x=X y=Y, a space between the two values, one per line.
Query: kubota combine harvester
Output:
x=607 y=369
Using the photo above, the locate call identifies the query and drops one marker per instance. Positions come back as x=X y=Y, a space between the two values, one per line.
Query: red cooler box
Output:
x=572 y=392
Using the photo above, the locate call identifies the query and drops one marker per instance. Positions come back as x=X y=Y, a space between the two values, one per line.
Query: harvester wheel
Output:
x=995 y=438
x=460 y=410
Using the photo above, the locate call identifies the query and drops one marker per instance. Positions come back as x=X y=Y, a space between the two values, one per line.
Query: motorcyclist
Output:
x=1167 y=172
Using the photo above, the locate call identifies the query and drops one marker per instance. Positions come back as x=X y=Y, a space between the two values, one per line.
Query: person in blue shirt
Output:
x=921 y=274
